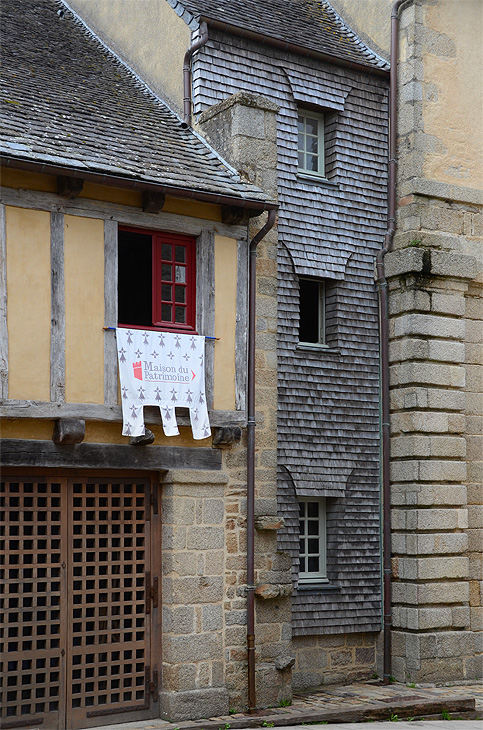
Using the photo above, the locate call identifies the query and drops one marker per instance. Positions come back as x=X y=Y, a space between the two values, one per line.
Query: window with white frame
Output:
x=311 y=143
x=312 y=551
x=312 y=312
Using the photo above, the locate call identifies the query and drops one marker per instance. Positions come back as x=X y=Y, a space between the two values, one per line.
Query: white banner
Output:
x=166 y=370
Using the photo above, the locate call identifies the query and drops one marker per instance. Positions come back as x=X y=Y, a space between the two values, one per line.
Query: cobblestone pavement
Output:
x=347 y=706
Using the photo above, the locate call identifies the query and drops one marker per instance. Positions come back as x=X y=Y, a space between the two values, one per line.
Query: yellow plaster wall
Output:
x=28 y=303
x=17 y=179
x=148 y=35
x=225 y=322
x=370 y=19
x=96 y=432
x=84 y=309
x=453 y=108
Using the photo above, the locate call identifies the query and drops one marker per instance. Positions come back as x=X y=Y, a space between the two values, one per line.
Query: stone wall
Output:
x=204 y=513
x=335 y=659
x=435 y=279
x=431 y=614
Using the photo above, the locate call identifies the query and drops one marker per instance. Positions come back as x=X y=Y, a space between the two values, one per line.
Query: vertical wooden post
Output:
x=205 y=304
x=57 y=308
x=3 y=307
x=110 y=312
x=241 y=343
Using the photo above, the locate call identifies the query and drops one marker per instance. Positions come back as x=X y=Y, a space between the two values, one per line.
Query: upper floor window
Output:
x=311 y=143
x=312 y=330
x=156 y=280
x=312 y=535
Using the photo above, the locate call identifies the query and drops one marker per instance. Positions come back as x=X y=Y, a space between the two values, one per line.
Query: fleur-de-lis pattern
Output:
x=163 y=369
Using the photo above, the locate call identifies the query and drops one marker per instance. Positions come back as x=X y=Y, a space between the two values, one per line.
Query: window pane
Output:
x=302 y=565
x=301 y=142
x=166 y=312
x=313 y=526
x=166 y=272
x=313 y=564
x=313 y=509
x=180 y=274
x=166 y=292
x=180 y=315
x=312 y=163
x=312 y=145
x=166 y=251
x=313 y=546
x=301 y=160
x=302 y=508
x=302 y=546
x=312 y=126
x=180 y=294
x=300 y=123
x=180 y=254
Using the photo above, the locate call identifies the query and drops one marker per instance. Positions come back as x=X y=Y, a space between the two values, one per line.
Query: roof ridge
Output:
x=146 y=89
x=356 y=38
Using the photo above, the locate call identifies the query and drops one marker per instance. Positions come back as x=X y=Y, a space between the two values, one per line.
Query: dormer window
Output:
x=311 y=143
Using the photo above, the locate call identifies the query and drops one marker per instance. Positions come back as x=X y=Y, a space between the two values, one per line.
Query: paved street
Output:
x=348 y=707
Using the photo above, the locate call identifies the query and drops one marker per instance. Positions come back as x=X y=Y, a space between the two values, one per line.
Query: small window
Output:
x=311 y=143
x=156 y=280
x=312 y=552
x=312 y=312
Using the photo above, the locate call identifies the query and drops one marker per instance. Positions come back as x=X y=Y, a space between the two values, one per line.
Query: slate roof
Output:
x=312 y=24
x=67 y=101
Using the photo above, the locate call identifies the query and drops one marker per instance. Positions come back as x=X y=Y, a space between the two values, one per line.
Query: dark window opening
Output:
x=312 y=326
x=156 y=280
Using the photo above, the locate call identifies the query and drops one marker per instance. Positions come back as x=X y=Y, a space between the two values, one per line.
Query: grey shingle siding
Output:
x=328 y=418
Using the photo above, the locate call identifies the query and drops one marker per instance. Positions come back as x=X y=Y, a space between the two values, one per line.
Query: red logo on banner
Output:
x=138 y=371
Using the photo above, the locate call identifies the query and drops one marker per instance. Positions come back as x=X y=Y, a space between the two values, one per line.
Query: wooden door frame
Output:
x=154 y=632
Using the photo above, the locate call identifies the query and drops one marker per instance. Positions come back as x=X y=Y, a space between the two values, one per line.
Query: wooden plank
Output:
x=45 y=454
x=205 y=304
x=124 y=214
x=57 y=308
x=241 y=353
x=3 y=307
x=110 y=312
x=102 y=412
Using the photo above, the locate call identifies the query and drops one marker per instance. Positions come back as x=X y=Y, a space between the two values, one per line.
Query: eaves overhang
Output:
x=131 y=183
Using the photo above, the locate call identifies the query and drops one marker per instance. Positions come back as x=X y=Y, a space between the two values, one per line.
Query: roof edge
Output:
x=147 y=89
x=128 y=183
x=293 y=47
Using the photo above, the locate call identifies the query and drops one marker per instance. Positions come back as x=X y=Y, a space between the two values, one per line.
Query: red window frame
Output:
x=175 y=271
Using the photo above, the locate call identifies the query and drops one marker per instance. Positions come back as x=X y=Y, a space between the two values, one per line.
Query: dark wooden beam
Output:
x=69 y=187
x=152 y=202
x=69 y=431
x=232 y=215
x=45 y=454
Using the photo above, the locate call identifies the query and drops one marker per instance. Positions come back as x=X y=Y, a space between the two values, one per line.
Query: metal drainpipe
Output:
x=187 y=72
x=384 y=340
x=251 y=460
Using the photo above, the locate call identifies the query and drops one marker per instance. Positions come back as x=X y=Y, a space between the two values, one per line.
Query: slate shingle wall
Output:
x=328 y=422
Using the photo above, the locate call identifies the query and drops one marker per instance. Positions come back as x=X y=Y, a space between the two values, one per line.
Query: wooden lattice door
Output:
x=79 y=636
